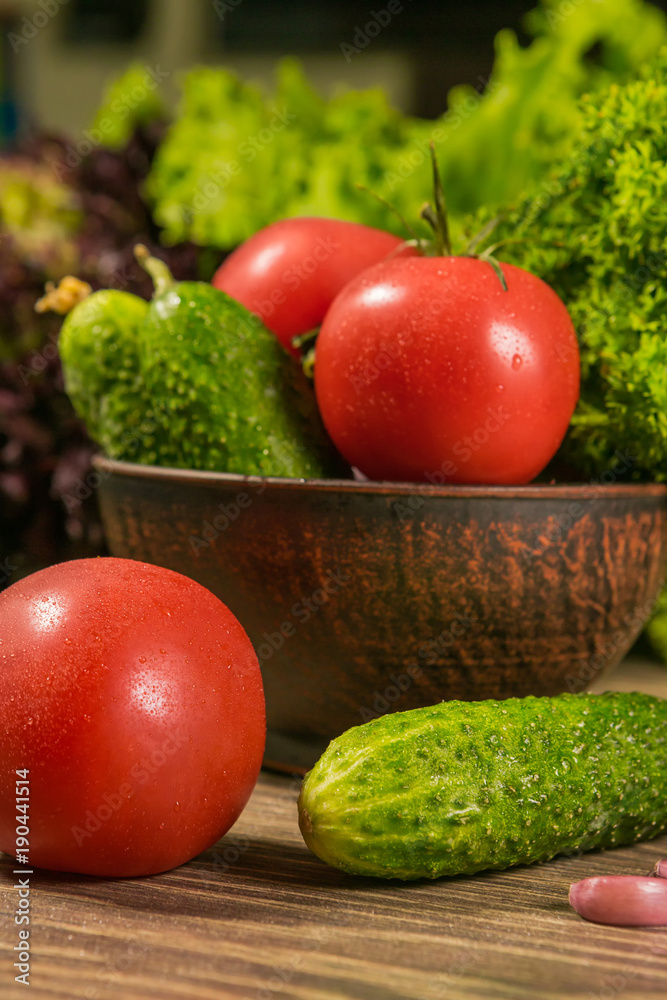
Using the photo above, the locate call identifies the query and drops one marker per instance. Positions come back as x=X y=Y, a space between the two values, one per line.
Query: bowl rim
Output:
x=590 y=490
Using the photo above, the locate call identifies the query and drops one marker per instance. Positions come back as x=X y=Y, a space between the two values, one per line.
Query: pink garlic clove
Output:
x=624 y=900
x=659 y=870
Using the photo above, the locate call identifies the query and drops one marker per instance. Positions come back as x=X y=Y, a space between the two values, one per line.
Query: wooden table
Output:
x=259 y=917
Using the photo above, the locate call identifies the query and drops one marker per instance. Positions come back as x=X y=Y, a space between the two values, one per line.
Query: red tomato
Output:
x=133 y=698
x=290 y=272
x=426 y=369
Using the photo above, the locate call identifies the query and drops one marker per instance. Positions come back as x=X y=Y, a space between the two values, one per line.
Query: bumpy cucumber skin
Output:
x=98 y=346
x=224 y=391
x=465 y=786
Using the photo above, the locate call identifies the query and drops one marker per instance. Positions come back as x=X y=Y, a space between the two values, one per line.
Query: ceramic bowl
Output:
x=362 y=598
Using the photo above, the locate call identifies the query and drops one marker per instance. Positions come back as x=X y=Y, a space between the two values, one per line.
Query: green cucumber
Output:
x=98 y=347
x=465 y=786
x=225 y=394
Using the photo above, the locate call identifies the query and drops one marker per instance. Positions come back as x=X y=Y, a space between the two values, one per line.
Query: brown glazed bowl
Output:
x=362 y=598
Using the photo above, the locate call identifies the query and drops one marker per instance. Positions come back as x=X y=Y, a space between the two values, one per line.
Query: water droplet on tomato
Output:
x=177 y=806
x=517 y=361
x=500 y=388
x=142 y=659
x=68 y=642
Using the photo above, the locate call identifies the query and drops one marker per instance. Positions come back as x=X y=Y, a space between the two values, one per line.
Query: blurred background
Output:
x=119 y=119
x=431 y=46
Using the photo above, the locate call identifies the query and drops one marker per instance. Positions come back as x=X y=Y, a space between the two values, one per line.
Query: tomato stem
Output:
x=418 y=244
x=392 y=208
x=308 y=363
x=305 y=338
x=482 y=234
x=494 y=264
x=442 y=233
x=429 y=216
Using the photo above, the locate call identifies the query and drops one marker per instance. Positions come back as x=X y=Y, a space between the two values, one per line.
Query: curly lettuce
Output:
x=237 y=158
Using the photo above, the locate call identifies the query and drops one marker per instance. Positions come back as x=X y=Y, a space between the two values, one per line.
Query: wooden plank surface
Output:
x=259 y=917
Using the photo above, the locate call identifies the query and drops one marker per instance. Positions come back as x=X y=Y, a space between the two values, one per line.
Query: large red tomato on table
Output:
x=132 y=703
x=427 y=369
x=290 y=272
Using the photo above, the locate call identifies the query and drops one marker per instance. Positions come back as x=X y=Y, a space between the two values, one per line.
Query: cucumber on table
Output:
x=464 y=786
